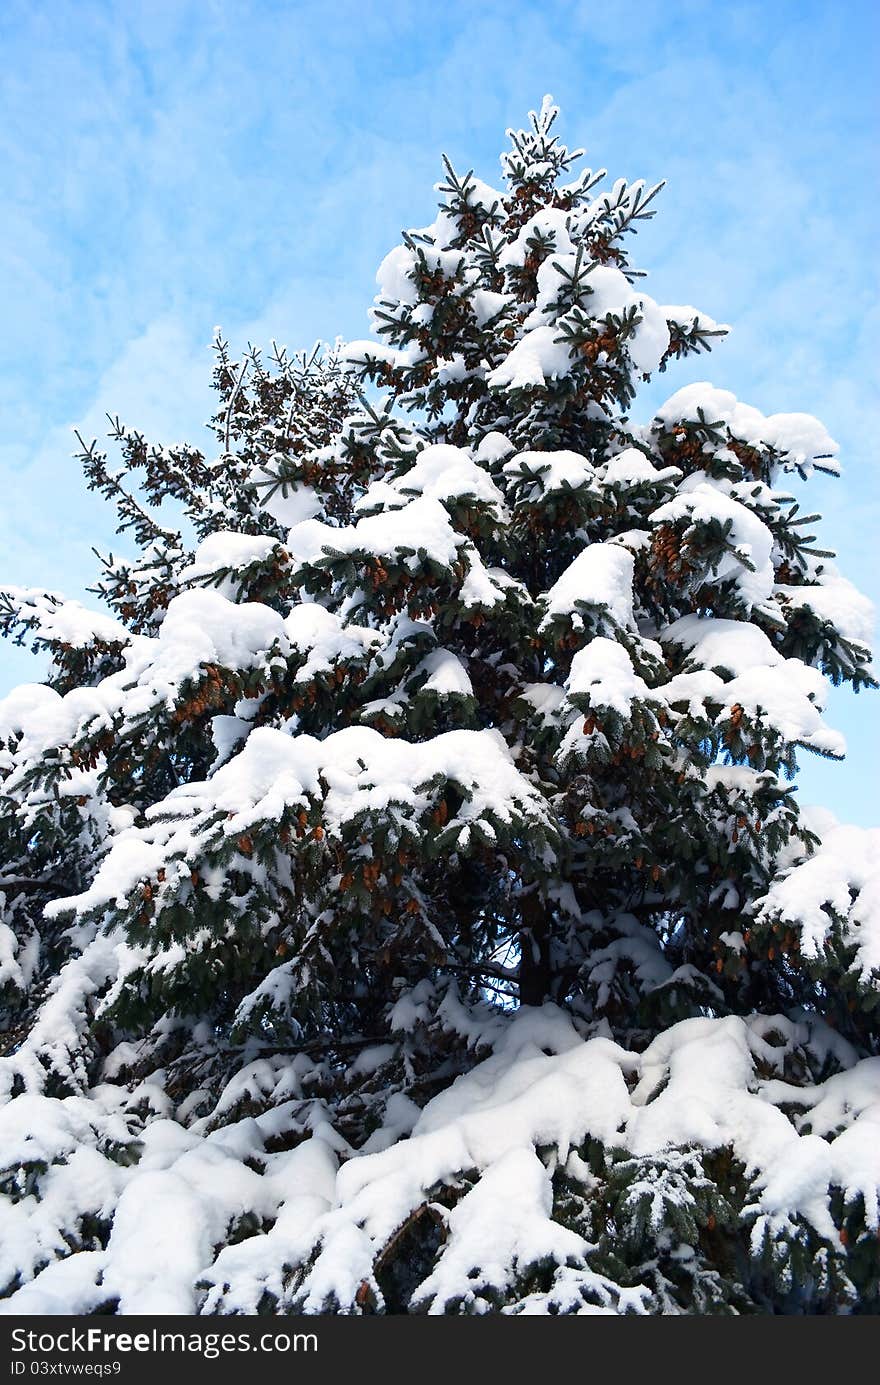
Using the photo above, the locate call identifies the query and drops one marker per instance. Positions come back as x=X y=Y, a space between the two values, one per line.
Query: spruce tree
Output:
x=405 y=901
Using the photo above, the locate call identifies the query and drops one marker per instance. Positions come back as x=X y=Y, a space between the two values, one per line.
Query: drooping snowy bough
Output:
x=404 y=903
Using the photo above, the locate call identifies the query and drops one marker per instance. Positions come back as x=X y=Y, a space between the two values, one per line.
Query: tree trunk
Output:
x=534 y=964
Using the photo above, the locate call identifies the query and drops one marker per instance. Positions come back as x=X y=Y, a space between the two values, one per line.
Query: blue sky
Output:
x=167 y=167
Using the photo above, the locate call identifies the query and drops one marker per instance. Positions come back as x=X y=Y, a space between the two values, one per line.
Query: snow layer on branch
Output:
x=200 y=628
x=503 y=1225
x=800 y=439
x=609 y=293
x=545 y=698
x=536 y=357
x=357 y=353
x=168 y=1213
x=288 y=504
x=833 y=894
x=550 y=471
x=601 y=577
x=836 y=600
x=421 y=524
x=447 y=675
x=55 y=1040
x=604 y=670
x=44 y=719
x=395 y=275
x=68 y=622
x=548 y=221
x=494 y=447
x=351 y=772
x=485 y=587
x=732 y=645
x=362 y=769
x=31 y=712
x=226 y=549
x=257 y=1264
x=441 y=472
x=732 y=662
x=786 y=697
x=632 y=468
x=683 y=315
x=750 y=563
x=323 y=639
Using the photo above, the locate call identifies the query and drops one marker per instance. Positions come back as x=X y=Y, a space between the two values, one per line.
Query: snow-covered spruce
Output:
x=403 y=905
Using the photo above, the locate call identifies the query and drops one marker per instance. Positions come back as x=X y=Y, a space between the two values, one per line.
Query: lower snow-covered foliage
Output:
x=561 y=1173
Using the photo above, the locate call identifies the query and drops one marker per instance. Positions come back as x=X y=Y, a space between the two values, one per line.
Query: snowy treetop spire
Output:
x=536 y=155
